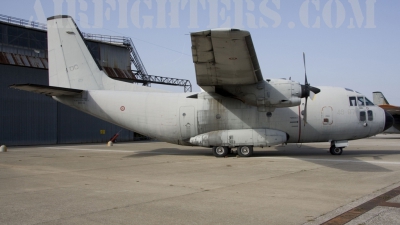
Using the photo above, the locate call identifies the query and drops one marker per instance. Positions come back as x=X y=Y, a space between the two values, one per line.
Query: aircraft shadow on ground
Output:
x=173 y=151
x=394 y=138
x=346 y=162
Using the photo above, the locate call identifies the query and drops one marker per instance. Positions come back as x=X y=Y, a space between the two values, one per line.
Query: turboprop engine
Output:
x=272 y=93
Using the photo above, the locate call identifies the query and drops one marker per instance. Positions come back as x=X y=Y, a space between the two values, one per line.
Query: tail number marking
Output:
x=74 y=67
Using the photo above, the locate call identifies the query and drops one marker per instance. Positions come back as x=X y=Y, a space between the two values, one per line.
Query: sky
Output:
x=348 y=43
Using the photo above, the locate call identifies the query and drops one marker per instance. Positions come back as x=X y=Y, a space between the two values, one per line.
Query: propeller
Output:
x=307 y=90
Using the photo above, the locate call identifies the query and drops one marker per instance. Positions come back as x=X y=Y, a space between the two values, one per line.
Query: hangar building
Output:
x=33 y=119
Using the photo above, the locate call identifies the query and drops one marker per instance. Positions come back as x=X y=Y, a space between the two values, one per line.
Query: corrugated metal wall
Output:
x=25 y=118
x=32 y=119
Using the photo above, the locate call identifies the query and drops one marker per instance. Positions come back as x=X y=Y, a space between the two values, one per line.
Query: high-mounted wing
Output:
x=226 y=64
x=225 y=57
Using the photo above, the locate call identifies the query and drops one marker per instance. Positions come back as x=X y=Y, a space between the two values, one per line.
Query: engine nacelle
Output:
x=282 y=93
x=273 y=93
x=244 y=137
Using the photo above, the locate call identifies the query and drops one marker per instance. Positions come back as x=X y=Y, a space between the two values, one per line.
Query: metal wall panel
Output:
x=32 y=119
x=25 y=118
x=114 y=56
x=2 y=28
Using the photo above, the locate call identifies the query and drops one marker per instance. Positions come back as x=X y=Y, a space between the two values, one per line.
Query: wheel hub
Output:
x=245 y=150
x=220 y=150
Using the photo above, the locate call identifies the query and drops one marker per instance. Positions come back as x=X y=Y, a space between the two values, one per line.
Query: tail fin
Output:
x=72 y=66
x=379 y=99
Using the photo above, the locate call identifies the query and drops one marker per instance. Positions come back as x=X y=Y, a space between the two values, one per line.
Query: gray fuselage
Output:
x=174 y=118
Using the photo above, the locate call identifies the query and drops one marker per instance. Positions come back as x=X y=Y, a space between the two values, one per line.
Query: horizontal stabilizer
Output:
x=47 y=90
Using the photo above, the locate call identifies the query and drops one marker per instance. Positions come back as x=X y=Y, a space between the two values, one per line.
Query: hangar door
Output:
x=186 y=121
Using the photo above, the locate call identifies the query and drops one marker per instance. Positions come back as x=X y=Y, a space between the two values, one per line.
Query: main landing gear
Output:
x=245 y=151
x=222 y=151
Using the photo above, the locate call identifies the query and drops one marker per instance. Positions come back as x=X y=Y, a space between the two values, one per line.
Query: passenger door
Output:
x=327 y=115
x=326 y=121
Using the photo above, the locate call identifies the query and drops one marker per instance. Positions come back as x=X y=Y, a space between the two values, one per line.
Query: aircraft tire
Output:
x=336 y=150
x=245 y=151
x=220 y=151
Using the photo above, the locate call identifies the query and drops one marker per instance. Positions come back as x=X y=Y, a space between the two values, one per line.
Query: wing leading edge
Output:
x=225 y=57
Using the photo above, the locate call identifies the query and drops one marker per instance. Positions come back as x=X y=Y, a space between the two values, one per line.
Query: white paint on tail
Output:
x=71 y=65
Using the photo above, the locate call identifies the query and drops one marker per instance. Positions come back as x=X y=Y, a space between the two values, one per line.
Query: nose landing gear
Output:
x=337 y=147
x=335 y=150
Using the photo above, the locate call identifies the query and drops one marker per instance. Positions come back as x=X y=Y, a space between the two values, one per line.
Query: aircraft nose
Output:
x=389 y=120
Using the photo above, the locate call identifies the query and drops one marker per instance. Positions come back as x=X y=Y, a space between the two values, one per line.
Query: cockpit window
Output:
x=368 y=102
x=362 y=116
x=370 y=115
x=360 y=101
x=353 y=101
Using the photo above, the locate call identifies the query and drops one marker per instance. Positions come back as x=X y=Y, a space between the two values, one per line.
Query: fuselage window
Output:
x=360 y=101
x=353 y=101
x=368 y=102
x=362 y=116
x=370 y=115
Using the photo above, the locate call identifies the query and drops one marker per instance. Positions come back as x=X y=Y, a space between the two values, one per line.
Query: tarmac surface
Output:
x=160 y=183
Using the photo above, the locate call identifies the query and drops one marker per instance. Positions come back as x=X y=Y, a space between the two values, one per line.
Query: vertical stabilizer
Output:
x=71 y=65
x=379 y=99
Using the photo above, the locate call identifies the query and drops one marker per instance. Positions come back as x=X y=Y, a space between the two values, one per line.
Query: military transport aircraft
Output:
x=238 y=109
x=379 y=99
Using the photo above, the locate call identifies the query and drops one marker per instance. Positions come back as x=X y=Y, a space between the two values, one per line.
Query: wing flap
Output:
x=225 y=57
x=47 y=90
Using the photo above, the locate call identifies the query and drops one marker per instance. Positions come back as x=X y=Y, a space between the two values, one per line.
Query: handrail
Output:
x=107 y=38
x=164 y=80
x=22 y=22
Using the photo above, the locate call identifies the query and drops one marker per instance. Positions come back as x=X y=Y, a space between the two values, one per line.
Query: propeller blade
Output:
x=305 y=113
x=312 y=94
x=307 y=90
x=314 y=89
x=305 y=68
